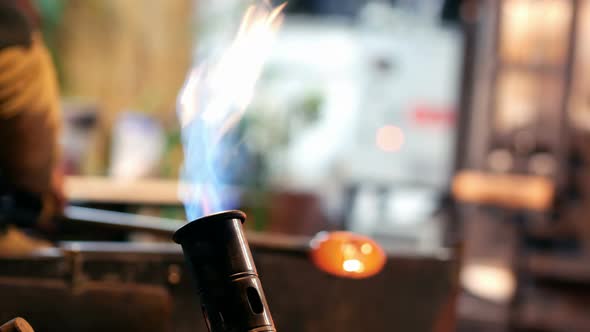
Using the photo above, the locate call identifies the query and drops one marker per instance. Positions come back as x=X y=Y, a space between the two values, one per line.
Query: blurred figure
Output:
x=30 y=178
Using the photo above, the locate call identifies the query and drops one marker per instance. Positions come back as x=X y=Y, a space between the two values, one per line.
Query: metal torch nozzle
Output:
x=218 y=254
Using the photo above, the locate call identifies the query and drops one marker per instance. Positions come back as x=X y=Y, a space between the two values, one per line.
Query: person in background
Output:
x=29 y=126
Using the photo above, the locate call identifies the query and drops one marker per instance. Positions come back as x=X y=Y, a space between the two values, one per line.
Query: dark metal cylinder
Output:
x=218 y=254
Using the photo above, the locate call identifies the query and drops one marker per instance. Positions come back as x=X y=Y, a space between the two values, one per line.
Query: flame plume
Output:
x=213 y=100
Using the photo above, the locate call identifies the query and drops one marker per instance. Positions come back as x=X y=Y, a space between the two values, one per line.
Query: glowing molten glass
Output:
x=346 y=254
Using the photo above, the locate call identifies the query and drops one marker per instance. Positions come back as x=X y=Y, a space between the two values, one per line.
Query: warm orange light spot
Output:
x=389 y=138
x=366 y=248
x=509 y=190
x=346 y=254
x=353 y=265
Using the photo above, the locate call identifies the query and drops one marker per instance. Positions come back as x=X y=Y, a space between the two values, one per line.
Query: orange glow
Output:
x=353 y=265
x=389 y=138
x=510 y=190
x=346 y=254
x=535 y=30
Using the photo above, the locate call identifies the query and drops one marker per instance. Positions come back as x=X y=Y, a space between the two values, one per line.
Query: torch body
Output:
x=230 y=291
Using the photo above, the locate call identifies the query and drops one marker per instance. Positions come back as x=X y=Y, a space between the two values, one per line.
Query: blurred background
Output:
x=352 y=122
x=453 y=133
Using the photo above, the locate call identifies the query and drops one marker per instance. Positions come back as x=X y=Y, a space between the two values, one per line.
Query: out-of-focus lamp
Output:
x=346 y=254
x=487 y=281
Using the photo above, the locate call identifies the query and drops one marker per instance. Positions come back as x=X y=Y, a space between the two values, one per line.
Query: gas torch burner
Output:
x=218 y=254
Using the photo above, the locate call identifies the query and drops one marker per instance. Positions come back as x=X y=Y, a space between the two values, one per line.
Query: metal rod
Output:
x=167 y=227
x=122 y=221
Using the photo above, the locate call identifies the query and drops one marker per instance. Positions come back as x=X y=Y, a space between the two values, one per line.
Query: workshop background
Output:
x=453 y=134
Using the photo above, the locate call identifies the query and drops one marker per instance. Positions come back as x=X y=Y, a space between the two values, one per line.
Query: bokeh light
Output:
x=389 y=138
x=493 y=283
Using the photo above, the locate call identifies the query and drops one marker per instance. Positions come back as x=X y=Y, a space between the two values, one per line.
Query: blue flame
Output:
x=205 y=188
x=210 y=106
x=200 y=172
